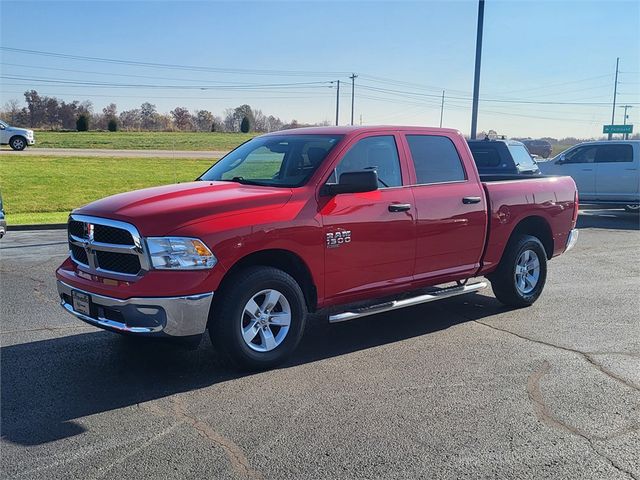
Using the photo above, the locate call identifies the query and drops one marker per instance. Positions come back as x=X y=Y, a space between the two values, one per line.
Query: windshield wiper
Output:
x=242 y=181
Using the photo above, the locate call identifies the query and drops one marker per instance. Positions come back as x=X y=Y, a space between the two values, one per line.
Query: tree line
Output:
x=51 y=113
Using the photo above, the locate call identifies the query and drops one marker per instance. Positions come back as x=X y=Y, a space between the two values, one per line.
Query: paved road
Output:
x=104 y=152
x=463 y=388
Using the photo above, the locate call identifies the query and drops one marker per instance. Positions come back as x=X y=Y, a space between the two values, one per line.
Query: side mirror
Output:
x=560 y=160
x=353 y=182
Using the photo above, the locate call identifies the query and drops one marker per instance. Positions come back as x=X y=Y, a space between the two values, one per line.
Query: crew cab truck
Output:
x=352 y=221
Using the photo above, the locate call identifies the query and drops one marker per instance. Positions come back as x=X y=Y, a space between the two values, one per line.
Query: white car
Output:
x=605 y=172
x=16 y=138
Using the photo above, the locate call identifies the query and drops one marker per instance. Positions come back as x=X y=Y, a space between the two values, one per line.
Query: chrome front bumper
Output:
x=572 y=239
x=163 y=316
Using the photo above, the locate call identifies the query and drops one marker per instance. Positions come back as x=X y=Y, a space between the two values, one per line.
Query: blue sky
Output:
x=405 y=54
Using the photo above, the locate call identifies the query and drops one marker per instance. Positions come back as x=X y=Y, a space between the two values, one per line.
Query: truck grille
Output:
x=118 y=262
x=106 y=247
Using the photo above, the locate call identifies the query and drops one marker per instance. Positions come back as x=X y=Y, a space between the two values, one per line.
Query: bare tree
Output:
x=203 y=120
x=182 y=118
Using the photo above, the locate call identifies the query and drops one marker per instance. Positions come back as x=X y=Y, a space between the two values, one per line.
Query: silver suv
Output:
x=16 y=138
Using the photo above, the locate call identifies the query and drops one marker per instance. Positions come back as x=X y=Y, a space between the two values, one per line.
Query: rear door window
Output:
x=614 y=154
x=436 y=159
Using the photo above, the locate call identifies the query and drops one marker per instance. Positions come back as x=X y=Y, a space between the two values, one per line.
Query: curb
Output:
x=40 y=226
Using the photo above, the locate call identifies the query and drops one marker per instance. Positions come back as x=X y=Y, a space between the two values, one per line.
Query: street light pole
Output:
x=615 y=93
x=624 y=120
x=353 y=84
x=441 y=108
x=337 y=103
x=476 y=76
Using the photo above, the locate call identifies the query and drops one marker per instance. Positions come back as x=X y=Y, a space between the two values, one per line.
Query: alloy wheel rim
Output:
x=18 y=143
x=265 y=320
x=527 y=272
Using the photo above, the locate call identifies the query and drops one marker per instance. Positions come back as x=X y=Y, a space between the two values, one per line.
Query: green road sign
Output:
x=617 y=129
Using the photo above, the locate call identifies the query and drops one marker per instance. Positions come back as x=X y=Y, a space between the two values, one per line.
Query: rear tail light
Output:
x=576 y=206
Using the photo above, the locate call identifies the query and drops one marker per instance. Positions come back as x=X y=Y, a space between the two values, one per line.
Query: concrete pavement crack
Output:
x=234 y=453
x=545 y=415
x=586 y=356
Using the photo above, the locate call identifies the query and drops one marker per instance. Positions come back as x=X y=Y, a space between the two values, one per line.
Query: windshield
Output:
x=278 y=161
x=3 y=124
x=523 y=159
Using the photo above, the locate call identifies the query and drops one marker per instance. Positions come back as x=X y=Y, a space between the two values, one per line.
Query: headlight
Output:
x=179 y=253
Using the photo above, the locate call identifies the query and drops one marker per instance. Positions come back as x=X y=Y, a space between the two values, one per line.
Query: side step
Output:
x=407 y=302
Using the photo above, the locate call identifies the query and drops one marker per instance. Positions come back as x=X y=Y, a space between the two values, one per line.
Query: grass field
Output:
x=142 y=140
x=46 y=189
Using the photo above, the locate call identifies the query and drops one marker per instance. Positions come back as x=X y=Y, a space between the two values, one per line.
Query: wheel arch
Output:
x=17 y=135
x=284 y=260
x=538 y=227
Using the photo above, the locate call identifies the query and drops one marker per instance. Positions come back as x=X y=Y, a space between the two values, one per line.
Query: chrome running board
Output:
x=407 y=302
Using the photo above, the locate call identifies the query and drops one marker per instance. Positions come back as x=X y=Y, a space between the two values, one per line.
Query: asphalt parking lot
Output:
x=463 y=388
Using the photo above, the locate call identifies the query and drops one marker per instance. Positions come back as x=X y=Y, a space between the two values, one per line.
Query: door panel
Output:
x=450 y=234
x=381 y=246
x=579 y=165
x=616 y=172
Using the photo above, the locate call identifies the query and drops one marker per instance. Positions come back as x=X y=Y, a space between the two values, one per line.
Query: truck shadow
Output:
x=608 y=218
x=48 y=385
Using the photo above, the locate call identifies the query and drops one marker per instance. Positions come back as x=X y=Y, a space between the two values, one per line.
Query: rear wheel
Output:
x=522 y=273
x=17 y=143
x=259 y=318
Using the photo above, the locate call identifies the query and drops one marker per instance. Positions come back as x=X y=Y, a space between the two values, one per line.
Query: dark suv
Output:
x=538 y=147
x=502 y=157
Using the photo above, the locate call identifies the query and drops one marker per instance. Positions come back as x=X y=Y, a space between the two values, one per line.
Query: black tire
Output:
x=632 y=208
x=228 y=316
x=503 y=280
x=18 y=143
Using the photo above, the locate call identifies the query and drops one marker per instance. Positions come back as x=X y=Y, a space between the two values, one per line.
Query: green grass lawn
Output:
x=142 y=140
x=45 y=189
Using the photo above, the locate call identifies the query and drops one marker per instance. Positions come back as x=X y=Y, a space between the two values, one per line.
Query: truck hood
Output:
x=161 y=210
x=19 y=131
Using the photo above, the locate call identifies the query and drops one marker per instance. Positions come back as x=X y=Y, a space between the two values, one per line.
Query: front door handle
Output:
x=399 y=207
x=469 y=200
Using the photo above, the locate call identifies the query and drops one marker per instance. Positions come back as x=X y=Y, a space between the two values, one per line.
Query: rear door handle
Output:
x=469 y=200
x=399 y=207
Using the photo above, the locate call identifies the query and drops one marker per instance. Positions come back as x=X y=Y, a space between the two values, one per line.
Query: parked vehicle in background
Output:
x=3 y=222
x=16 y=138
x=605 y=172
x=352 y=221
x=502 y=157
x=538 y=147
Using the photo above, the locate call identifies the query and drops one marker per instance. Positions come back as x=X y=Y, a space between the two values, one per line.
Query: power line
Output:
x=170 y=65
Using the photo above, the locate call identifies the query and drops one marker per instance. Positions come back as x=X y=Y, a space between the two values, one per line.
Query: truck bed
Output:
x=512 y=198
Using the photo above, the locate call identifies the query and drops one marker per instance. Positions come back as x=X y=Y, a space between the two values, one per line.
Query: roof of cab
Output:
x=354 y=129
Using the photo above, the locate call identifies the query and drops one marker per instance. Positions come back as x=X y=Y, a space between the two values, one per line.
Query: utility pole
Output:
x=624 y=121
x=476 y=76
x=353 y=84
x=615 y=92
x=441 y=108
x=337 y=102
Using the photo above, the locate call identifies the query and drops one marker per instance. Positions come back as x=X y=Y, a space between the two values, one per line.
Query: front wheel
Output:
x=17 y=143
x=259 y=318
x=522 y=273
x=632 y=208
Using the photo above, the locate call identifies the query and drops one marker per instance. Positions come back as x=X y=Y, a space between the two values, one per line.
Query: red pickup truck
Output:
x=350 y=221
